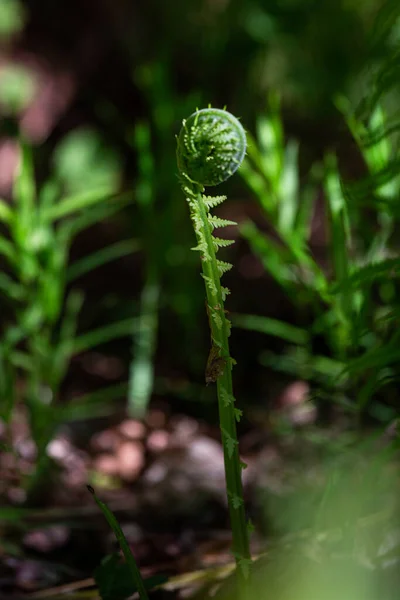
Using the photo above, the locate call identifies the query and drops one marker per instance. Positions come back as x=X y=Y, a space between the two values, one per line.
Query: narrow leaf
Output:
x=100 y=258
x=81 y=201
x=104 y=334
x=130 y=561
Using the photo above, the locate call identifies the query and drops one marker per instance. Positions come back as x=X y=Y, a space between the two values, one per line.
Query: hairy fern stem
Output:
x=202 y=137
x=219 y=368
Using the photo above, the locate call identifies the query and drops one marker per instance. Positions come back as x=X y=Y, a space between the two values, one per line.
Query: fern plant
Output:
x=211 y=147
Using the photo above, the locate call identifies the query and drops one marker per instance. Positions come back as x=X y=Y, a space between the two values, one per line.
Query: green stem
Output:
x=220 y=329
x=141 y=381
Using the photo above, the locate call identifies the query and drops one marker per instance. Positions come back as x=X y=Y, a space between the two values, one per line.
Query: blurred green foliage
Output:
x=82 y=161
x=12 y=18
x=39 y=334
x=16 y=88
x=236 y=51
x=329 y=130
x=317 y=87
x=359 y=330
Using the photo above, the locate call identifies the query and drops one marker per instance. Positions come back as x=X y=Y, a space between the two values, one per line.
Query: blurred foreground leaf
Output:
x=114 y=579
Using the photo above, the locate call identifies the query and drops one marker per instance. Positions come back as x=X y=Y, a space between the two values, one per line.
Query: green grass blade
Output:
x=88 y=218
x=24 y=187
x=94 y=404
x=11 y=289
x=22 y=360
x=141 y=379
x=119 y=534
x=300 y=363
x=24 y=222
x=79 y=202
x=123 y=328
x=8 y=251
x=101 y=257
x=340 y=237
x=7 y=385
x=6 y=213
x=142 y=369
x=368 y=274
x=14 y=515
x=271 y=142
x=274 y=257
x=305 y=212
x=257 y=183
x=65 y=346
x=377 y=154
x=272 y=327
x=340 y=231
x=376 y=358
x=146 y=168
x=289 y=188
x=48 y=195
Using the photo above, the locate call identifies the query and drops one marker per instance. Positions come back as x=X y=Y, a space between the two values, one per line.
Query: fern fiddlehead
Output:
x=210 y=148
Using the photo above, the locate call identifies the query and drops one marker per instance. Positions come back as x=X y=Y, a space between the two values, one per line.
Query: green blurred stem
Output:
x=142 y=367
x=226 y=399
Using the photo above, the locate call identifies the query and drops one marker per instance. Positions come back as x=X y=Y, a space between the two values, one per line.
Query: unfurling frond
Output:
x=211 y=147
